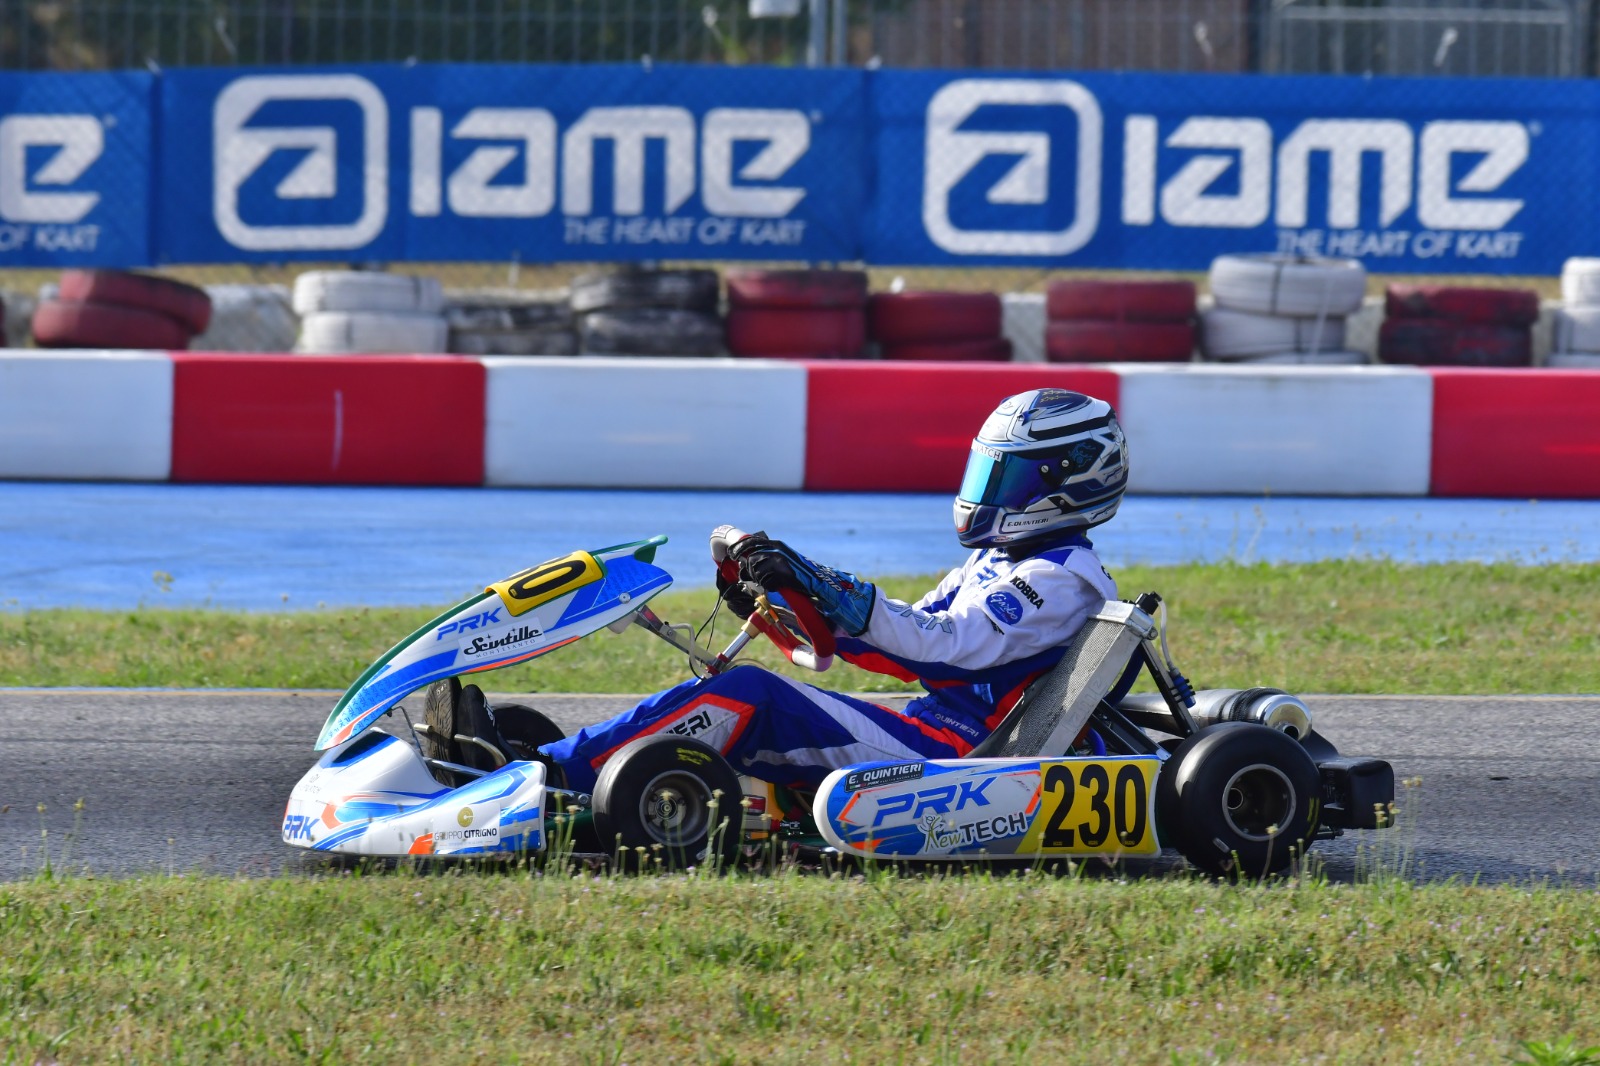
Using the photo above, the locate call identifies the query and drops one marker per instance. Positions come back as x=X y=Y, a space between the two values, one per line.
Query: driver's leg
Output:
x=766 y=725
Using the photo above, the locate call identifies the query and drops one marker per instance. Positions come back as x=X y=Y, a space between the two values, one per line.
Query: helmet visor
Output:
x=1002 y=479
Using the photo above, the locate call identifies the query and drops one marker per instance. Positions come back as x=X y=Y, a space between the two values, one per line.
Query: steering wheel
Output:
x=794 y=626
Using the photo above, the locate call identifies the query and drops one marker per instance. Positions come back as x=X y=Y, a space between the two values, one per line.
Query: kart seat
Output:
x=1056 y=707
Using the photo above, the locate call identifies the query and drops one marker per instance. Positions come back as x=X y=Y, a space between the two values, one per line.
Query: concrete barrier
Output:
x=1516 y=433
x=645 y=423
x=1210 y=429
x=907 y=427
x=89 y=415
x=328 y=420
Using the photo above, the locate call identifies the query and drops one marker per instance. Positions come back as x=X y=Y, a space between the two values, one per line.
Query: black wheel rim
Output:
x=1256 y=799
x=675 y=809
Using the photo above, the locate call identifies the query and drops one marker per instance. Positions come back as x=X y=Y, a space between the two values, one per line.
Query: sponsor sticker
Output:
x=498 y=643
x=1027 y=591
x=942 y=835
x=1006 y=607
x=298 y=827
x=875 y=776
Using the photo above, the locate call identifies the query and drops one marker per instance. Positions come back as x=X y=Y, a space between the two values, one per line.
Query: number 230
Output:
x=1120 y=805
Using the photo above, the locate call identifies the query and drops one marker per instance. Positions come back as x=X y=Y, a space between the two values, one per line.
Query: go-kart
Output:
x=1238 y=781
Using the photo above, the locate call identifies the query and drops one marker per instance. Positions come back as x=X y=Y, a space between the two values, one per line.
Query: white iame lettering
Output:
x=1269 y=181
x=78 y=141
x=1246 y=144
x=512 y=140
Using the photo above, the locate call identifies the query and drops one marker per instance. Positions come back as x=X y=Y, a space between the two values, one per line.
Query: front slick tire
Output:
x=1239 y=800
x=675 y=798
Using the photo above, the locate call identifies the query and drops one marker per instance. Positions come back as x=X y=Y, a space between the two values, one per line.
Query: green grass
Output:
x=515 y=966
x=1320 y=627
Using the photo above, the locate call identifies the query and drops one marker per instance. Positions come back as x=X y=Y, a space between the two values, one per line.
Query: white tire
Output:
x=1022 y=319
x=1307 y=359
x=360 y=290
x=248 y=318
x=1228 y=334
x=1580 y=283
x=365 y=332
x=1577 y=329
x=1288 y=285
x=1573 y=361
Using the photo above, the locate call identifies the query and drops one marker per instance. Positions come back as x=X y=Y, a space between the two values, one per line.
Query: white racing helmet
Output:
x=1046 y=462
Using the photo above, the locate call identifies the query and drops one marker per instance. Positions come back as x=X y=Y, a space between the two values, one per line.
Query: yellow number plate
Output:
x=1094 y=807
x=540 y=584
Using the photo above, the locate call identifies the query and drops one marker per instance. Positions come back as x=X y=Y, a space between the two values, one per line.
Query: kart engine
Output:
x=1268 y=706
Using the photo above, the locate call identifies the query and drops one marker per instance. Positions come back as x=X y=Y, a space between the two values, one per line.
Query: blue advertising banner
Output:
x=540 y=163
x=597 y=163
x=75 y=169
x=1166 y=172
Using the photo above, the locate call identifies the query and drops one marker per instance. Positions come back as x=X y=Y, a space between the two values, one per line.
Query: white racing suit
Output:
x=975 y=642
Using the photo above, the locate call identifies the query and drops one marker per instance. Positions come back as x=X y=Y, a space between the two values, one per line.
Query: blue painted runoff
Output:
x=275 y=548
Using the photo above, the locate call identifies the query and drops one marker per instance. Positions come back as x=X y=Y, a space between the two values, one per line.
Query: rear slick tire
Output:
x=673 y=797
x=1239 y=800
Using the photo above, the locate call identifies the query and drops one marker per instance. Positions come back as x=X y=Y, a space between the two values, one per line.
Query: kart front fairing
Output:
x=374 y=796
x=529 y=614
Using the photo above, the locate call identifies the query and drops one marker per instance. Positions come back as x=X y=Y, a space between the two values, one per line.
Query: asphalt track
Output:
x=197 y=780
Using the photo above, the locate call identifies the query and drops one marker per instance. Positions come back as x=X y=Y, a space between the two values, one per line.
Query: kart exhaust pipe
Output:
x=1267 y=706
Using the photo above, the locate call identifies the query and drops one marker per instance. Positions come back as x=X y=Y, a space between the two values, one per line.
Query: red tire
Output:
x=933 y=317
x=997 y=350
x=1435 y=342
x=795 y=333
x=1120 y=301
x=1112 y=342
x=187 y=304
x=69 y=324
x=797 y=288
x=1486 y=307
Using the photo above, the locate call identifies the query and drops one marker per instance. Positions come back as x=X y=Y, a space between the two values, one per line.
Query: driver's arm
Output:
x=980 y=628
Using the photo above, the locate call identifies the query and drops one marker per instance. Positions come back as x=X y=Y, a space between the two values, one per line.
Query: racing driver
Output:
x=1045 y=467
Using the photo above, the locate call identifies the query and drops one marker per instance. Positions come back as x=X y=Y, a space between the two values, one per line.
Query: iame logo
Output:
x=954 y=154
x=243 y=144
x=499 y=162
x=994 y=144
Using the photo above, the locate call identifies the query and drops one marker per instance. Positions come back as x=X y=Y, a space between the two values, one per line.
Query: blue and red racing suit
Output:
x=975 y=642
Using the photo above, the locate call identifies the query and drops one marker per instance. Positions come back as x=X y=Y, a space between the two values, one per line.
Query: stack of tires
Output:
x=116 y=309
x=797 y=314
x=939 y=327
x=637 y=311
x=1119 y=321
x=345 y=312
x=1428 y=325
x=249 y=318
x=1274 y=309
x=1577 y=326
x=510 y=322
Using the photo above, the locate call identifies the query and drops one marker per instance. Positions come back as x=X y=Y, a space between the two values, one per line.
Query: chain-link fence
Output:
x=1547 y=38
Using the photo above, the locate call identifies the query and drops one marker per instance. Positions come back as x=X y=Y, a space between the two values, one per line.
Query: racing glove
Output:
x=733 y=593
x=841 y=597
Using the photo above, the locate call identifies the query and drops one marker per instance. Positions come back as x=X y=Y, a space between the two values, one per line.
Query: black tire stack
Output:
x=638 y=311
x=510 y=323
